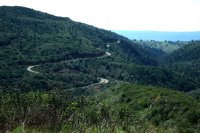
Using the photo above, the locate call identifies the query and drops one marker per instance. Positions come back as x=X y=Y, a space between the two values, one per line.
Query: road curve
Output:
x=30 y=69
x=102 y=80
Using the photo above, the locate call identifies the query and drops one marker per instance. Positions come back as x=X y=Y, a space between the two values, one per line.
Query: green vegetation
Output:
x=185 y=60
x=158 y=106
x=38 y=38
x=195 y=94
x=187 y=53
x=51 y=68
x=107 y=68
x=165 y=46
x=30 y=37
x=124 y=107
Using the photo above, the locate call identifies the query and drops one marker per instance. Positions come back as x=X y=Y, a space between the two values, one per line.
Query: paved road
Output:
x=102 y=80
x=30 y=69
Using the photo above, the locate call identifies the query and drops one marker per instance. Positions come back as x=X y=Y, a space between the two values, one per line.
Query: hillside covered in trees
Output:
x=185 y=60
x=57 y=75
x=165 y=46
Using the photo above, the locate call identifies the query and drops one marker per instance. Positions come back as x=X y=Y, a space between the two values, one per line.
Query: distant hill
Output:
x=165 y=46
x=187 y=53
x=185 y=60
x=159 y=36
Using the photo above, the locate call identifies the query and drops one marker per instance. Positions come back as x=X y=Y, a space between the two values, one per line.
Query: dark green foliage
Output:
x=155 y=52
x=42 y=38
x=133 y=53
x=195 y=94
x=69 y=57
x=190 y=68
x=30 y=37
x=148 y=75
x=187 y=53
x=19 y=77
x=185 y=60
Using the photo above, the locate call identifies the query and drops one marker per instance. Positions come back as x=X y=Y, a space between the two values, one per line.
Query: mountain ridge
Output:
x=141 y=95
x=32 y=41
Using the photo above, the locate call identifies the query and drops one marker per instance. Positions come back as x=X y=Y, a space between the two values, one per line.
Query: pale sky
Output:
x=156 y=15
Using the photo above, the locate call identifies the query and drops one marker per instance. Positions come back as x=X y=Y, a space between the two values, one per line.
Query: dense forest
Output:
x=185 y=60
x=57 y=75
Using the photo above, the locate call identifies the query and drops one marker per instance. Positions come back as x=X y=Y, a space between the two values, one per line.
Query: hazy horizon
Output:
x=159 y=35
x=155 y=31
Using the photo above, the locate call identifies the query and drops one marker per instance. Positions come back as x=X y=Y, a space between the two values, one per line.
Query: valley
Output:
x=165 y=46
x=58 y=75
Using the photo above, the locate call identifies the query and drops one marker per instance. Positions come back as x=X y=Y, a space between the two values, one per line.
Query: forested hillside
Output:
x=165 y=46
x=32 y=37
x=107 y=68
x=185 y=60
x=187 y=53
x=48 y=63
x=35 y=37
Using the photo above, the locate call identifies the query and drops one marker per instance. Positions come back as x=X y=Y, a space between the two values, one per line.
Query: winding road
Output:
x=102 y=80
x=30 y=67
